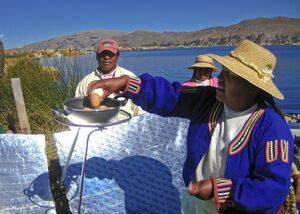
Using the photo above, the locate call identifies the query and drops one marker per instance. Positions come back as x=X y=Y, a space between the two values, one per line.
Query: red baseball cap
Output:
x=109 y=45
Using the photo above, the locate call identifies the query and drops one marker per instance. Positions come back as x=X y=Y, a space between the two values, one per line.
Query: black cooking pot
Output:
x=73 y=108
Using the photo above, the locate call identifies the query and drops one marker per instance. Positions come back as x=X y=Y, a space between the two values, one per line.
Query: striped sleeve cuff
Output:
x=133 y=84
x=222 y=192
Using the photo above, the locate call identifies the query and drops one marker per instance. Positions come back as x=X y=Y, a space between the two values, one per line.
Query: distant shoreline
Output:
x=73 y=52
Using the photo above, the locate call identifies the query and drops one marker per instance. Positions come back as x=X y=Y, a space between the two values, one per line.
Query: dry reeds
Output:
x=1 y=59
x=42 y=87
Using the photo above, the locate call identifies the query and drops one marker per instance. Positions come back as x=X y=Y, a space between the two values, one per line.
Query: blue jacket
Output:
x=258 y=167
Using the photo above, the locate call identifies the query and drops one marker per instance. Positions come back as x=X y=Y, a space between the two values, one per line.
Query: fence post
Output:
x=22 y=115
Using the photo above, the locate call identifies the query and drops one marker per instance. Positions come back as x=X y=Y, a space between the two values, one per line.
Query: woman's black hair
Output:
x=209 y=75
x=264 y=97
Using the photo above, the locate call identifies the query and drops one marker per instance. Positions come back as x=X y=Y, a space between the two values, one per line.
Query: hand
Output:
x=109 y=86
x=297 y=189
x=297 y=194
x=202 y=189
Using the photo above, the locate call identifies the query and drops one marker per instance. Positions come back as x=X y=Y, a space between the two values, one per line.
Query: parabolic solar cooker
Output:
x=73 y=114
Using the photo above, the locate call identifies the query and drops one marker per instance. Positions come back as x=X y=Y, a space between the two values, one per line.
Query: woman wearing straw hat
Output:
x=239 y=147
x=203 y=67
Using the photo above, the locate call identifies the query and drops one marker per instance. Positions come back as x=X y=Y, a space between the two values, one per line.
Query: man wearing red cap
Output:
x=107 y=57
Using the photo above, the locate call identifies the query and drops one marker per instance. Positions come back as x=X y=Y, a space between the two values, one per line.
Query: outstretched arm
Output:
x=109 y=86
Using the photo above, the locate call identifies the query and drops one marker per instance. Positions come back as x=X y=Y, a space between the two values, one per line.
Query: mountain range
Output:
x=264 y=31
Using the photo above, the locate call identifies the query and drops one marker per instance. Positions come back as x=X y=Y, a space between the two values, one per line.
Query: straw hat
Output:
x=204 y=61
x=253 y=63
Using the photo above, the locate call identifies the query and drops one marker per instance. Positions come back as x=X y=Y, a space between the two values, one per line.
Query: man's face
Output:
x=107 y=61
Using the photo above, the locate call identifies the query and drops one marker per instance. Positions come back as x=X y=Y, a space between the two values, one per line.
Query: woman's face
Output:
x=235 y=91
x=202 y=73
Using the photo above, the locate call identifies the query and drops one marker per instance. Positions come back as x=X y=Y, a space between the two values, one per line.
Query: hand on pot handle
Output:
x=109 y=86
x=202 y=189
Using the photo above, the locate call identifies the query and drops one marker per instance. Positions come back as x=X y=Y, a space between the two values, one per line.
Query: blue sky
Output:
x=27 y=21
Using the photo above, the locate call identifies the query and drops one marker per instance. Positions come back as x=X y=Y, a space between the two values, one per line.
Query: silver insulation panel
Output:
x=133 y=167
x=24 y=179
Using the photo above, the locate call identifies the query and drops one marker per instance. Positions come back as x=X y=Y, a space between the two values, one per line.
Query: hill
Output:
x=264 y=31
x=80 y=40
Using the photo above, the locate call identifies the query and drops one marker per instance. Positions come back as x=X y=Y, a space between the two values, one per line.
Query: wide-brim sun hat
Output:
x=253 y=63
x=204 y=61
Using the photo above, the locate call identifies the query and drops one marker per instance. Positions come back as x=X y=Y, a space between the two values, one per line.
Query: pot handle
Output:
x=57 y=111
x=123 y=101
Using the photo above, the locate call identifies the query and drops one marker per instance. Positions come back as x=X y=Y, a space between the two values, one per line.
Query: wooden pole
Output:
x=22 y=115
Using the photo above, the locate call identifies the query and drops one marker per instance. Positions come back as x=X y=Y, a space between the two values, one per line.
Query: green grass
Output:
x=42 y=87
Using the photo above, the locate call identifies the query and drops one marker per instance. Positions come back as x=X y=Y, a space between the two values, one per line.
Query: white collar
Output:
x=229 y=113
x=106 y=76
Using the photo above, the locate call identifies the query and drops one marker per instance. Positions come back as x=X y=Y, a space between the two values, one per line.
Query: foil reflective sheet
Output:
x=24 y=179
x=133 y=167
x=295 y=131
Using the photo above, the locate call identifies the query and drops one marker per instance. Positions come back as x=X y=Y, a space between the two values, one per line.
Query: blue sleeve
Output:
x=159 y=96
x=273 y=156
x=266 y=186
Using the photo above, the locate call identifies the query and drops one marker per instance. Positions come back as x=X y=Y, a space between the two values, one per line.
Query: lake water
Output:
x=172 y=64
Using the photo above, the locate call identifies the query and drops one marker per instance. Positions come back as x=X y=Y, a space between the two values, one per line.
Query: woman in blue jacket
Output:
x=239 y=147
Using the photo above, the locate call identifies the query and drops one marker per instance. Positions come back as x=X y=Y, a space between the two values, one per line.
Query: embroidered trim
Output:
x=102 y=75
x=135 y=79
x=211 y=81
x=133 y=84
x=200 y=61
x=271 y=151
x=266 y=73
x=284 y=150
x=193 y=83
x=241 y=140
x=296 y=176
x=188 y=89
x=214 y=115
x=222 y=192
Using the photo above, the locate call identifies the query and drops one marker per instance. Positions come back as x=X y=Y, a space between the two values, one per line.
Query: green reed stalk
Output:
x=42 y=87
